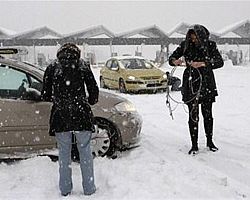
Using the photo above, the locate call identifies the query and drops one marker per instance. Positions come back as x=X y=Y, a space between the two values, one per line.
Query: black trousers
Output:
x=206 y=110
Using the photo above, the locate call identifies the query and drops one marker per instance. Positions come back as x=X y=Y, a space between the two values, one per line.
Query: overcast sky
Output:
x=119 y=16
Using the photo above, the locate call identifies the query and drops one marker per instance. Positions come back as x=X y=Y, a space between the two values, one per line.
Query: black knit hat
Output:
x=68 y=51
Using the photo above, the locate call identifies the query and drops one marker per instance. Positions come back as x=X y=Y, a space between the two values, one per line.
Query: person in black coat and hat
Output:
x=64 y=84
x=198 y=86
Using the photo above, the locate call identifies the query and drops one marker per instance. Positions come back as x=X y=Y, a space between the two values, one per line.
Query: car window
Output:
x=36 y=84
x=108 y=65
x=114 y=64
x=148 y=65
x=14 y=83
x=135 y=63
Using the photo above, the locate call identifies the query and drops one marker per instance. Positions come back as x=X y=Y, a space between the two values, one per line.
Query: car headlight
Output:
x=165 y=76
x=131 y=78
x=125 y=106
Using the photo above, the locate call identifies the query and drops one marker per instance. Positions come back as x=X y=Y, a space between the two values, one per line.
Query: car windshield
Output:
x=135 y=63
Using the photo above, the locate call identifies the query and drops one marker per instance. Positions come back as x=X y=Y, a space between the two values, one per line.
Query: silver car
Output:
x=24 y=119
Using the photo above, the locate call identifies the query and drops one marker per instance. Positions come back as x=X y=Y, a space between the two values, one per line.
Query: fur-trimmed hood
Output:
x=201 y=33
x=68 y=51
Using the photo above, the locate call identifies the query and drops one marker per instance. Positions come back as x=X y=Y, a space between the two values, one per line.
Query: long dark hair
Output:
x=188 y=40
x=202 y=35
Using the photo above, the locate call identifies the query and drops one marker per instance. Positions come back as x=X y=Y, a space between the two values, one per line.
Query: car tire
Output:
x=122 y=86
x=102 y=83
x=103 y=142
x=106 y=145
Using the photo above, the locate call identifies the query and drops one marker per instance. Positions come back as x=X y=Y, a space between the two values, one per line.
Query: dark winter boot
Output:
x=194 y=139
x=194 y=150
x=211 y=145
x=66 y=194
x=193 y=128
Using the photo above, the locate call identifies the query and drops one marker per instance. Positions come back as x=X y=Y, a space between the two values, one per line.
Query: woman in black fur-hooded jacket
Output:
x=64 y=84
x=201 y=57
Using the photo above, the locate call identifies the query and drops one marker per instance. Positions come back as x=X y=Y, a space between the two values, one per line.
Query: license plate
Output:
x=151 y=82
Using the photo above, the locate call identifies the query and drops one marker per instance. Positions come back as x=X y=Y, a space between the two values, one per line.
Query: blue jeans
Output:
x=64 y=142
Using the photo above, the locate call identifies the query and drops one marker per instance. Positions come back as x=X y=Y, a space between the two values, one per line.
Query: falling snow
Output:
x=67 y=83
x=160 y=168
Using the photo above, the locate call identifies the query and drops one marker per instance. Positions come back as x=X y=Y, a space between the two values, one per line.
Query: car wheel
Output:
x=122 y=86
x=103 y=142
x=102 y=83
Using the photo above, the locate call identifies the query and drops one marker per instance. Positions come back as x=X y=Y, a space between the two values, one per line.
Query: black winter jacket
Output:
x=65 y=87
x=198 y=83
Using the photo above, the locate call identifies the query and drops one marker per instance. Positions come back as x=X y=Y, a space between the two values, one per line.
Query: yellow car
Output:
x=132 y=73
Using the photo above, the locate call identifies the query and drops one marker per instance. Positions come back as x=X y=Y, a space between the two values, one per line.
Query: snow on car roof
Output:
x=128 y=57
x=22 y=66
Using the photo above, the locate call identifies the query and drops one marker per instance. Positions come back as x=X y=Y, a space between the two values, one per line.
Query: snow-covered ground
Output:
x=160 y=168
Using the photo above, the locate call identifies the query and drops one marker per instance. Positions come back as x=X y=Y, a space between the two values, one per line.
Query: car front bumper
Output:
x=129 y=125
x=159 y=85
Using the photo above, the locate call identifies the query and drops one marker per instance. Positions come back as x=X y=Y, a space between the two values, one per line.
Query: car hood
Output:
x=105 y=108
x=144 y=72
x=109 y=99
